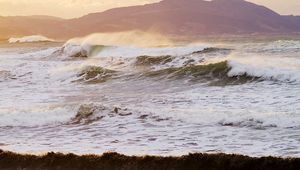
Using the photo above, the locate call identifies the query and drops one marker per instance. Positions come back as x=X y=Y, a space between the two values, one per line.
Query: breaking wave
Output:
x=271 y=68
x=228 y=71
x=30 y=39
x=106 y=93
x=35 y=116
x=215 y=73
x=88 y=50
x=94 y=74
x=194 y=62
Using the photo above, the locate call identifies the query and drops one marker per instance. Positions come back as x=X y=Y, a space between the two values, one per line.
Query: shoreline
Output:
x=115 y=161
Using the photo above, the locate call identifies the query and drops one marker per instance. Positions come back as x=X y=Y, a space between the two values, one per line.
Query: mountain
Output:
x=31 y=25
x=174 y=17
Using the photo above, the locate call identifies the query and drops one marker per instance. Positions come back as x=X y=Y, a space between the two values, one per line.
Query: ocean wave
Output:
x=30 y=39
x=192 y=58
x=281 y=46
x=94 y=74
x=35 y=116
x=93 y=44
x=89 y=113
x=6 y=75
x=260 y=121
x=193 y=62
x=230 y=71
x=277 y=69
x=248 y=123
x=212 y=50
x=133 y=59
x=86 y=49
x=149 y=60
x=80 y=51
x=214 y=73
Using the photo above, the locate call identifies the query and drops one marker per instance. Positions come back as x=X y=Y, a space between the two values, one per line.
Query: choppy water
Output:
x=224 y=97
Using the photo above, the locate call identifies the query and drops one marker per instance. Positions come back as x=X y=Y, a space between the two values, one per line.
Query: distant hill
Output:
x=174 y=17
x=31 y=25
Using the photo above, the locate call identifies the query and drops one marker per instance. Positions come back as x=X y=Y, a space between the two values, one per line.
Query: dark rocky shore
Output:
x=115 y=161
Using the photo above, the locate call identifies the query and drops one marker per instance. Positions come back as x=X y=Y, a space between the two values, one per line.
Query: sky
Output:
x=77 y=8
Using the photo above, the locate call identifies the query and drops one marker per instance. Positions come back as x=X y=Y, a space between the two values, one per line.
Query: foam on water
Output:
x=267 y=67
x=35 y=116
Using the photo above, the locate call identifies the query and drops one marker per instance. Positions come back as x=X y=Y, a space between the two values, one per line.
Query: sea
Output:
x=238 y=96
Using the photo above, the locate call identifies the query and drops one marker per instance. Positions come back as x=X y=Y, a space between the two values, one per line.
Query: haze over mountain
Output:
x=174 y=17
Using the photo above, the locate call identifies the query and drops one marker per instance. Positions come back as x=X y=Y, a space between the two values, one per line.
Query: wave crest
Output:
x=270 y=69
x=216 y=73
x=94 y=74
x=30 y=39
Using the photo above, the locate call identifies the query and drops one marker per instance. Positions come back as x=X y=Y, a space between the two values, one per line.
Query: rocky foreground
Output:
x=115 y=161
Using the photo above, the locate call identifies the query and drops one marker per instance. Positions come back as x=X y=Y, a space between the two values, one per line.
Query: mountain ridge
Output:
x=170 y=17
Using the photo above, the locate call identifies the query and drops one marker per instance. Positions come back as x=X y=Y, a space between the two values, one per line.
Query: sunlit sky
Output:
x=77 y=8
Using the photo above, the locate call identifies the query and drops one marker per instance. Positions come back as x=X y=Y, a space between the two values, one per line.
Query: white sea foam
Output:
x=29 y=39
x=35 y=116
x=71 y=49
x=266 y=67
